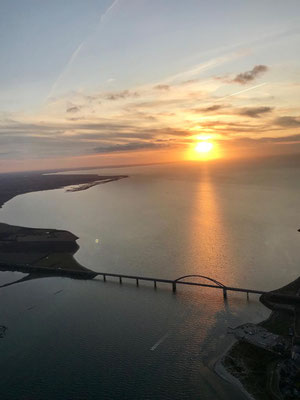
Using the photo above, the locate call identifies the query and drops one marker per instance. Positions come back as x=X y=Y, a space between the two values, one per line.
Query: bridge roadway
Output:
x=89 y=274
x=179 y=281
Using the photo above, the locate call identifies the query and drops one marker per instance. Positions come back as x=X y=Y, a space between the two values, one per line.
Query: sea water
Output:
x=73 y=339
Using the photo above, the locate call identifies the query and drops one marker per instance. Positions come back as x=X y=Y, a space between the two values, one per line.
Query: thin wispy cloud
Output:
x=132 y=146
x=144 y=84
x=255 y=112
x=209 y=109
x=73 y=109
x=162 y=87
x=288 y=122
x=249 y=76
x=124 y=94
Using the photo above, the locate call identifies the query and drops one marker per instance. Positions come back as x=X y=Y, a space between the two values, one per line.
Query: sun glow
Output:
x=203 y=147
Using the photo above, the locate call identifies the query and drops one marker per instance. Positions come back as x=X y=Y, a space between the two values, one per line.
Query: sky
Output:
x=110 y=82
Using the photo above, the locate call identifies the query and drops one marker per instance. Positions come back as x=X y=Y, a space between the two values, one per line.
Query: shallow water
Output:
x=70 y=339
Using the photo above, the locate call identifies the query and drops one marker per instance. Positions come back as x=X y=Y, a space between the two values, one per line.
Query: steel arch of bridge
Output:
x=200 y=276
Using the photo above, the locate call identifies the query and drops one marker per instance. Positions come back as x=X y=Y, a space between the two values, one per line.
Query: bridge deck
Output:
x=89 y=274
x=174 y=283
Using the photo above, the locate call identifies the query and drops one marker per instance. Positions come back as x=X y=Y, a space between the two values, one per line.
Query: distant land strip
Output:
x=14 y=184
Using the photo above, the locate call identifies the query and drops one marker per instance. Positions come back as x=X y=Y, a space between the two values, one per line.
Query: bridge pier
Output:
x=104 y=278
x=120 y=280
x=174 y=287
x=154 y=284
x=137 y=282
x=225 y=293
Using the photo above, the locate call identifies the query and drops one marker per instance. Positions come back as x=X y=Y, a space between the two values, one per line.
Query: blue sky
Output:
x=142 y=68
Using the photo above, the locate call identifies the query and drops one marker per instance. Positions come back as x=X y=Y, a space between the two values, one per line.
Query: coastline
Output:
x=220 y=369
x=86 y=186
x=14 y=184
x=42 y=251
x=243 y=362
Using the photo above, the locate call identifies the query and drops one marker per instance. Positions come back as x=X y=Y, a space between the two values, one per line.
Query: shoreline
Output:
x=41 y=251
x=86 y=186
x=12 y=185
x=220 y=369
x=244 y=360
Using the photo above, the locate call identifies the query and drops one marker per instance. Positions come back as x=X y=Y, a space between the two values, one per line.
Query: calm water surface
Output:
x=70 y=339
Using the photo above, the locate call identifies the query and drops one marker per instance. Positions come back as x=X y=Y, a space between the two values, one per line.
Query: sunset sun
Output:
x=203 y=147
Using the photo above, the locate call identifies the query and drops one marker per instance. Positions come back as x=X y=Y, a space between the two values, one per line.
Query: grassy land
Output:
x=30 y=250
x=59 y=260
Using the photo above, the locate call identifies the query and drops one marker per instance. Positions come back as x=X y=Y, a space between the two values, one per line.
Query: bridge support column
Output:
x=104 y=277
x=247 y=295
x=154 y=284
x=137 y=282
x=225 y=293
x=174 y=287
x=120 y=280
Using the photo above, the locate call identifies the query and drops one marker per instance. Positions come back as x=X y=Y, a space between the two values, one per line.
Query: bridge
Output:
x=84 y=273
x=214 y=284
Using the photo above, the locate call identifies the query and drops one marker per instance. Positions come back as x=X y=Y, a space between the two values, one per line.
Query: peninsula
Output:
x=14 y=184
x=47 y=251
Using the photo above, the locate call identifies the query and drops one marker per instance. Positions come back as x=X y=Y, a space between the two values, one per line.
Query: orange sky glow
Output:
x=97 y=100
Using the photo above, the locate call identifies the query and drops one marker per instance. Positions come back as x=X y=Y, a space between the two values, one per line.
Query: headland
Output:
x=14 y=184
x=47 y=251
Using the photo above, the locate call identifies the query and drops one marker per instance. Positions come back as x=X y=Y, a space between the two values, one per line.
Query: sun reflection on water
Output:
x=209 y=237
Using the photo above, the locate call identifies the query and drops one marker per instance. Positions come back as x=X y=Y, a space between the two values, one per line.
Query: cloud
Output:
x=188 y=82
x=124 y=94
x=162 y=87
x=288 y=121
x=287 y=140
x=66 y=138
x=209 y=109
x=255 y=112
x=131 y=146
x=156 y=104
x=249 y=76
x=284 y=139
x=73 y=109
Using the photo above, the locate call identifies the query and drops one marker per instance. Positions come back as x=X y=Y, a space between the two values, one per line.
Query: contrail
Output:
x=202 y=67
x=67 y=66
x=242 y=91
x=114 y=3
x=77 y=50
